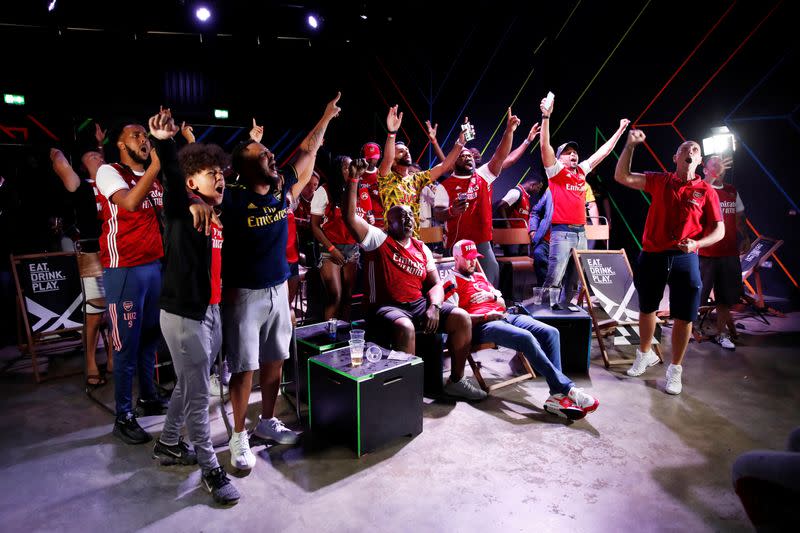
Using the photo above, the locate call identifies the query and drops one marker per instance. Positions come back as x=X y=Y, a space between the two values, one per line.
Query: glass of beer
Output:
x=356 y=352
x=537 y=295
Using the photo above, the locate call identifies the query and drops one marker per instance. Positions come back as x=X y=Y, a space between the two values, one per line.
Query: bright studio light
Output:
x=312 y=21
x=52 y=5
x=720 y=142
x=202 y=14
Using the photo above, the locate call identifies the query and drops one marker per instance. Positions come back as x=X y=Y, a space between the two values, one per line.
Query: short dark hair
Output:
x=237 y=156
x=197 y=157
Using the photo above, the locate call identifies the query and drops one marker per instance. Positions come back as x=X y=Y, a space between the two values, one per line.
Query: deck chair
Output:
x=599 y=230
x=607 y=277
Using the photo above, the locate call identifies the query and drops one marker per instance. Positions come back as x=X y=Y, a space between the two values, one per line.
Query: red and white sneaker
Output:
x=584 y=401
x=562 y=406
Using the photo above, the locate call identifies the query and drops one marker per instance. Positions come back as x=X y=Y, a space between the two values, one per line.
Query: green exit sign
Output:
x=220 y=113
x=14 y=99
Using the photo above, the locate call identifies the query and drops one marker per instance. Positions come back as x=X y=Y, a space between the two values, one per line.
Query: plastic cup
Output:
x=356 y=334
x=356 y=352
x=537 y=295
x=555 y=294
x=374 y=354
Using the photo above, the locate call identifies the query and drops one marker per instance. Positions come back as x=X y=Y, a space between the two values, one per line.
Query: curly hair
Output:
x=196 y=157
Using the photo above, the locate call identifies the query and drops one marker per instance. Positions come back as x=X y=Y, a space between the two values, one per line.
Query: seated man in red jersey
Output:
x=399 y=267
x=539 y=342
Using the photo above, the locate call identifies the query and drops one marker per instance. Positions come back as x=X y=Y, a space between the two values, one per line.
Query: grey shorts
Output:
x=257 y=325
x=351 y=253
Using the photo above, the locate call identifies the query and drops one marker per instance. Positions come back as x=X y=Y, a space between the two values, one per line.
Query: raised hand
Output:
x=513 y=121
x=188 y=132
x=546 y=110
x=162 y=126
x=256 y=132
x=636 y=137
x=534 y=132
x=332 y=110
x=431 y=130
x=99 y=134
x=623 y=123
x=357 y=168
x=394 y=119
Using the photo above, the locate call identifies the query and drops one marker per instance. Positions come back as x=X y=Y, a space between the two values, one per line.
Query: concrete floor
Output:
x=645 y=461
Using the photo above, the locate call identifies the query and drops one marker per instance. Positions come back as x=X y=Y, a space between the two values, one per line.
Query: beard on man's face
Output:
x=136 y=155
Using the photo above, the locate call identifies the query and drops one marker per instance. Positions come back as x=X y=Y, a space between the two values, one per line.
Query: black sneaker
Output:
x=177 y=454
x=217 y=483
x=128 y=430
x=155 y=407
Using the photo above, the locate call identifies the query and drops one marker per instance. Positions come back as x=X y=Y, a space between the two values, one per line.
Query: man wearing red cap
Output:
x=567 y=183
x=539 y=342
x=371 y=152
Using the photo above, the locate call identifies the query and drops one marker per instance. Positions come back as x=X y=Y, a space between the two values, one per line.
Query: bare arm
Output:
x=307 y=154
x=434 y=143
x=622 y=173
x=357 y=226
x=716 y=235
x=594 y=213
x=447 y=164
x=602 y=152
x=64 y=170
x=393 y=122
x=501 y=152
x=548 y=154
x=514 y=156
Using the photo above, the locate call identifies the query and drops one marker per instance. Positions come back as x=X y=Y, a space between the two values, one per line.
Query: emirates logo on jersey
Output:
x=127 y=305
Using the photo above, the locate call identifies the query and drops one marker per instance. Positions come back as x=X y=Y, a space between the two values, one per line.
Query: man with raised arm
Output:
x=464 y=201
x=397 y=183
x=567 y=183
x=399 y=267
x=684 y=216
x=256 y=316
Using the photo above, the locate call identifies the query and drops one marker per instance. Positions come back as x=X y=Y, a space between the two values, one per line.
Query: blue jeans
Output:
x=561 y=269
x=539 y=343
x=541 y=254
x=132 y=294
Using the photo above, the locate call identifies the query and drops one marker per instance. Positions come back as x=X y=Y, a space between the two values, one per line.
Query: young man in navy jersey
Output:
x=257 y=319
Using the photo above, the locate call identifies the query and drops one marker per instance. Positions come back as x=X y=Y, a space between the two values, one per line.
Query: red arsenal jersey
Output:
x=521 y=209
x=292 y=254
x=475 y=223
x=459 y=289
x=568 y=188
x=679 y=210
x=128 y=238
x=333 y=220
x=728 y=202
x=395 y=273
x=370 y=181
x=216 y=264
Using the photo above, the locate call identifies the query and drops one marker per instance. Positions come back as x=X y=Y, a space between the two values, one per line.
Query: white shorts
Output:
x=94 y=289
x=257 y=325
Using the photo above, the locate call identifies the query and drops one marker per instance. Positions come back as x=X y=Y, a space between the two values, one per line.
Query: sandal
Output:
x=94 y=381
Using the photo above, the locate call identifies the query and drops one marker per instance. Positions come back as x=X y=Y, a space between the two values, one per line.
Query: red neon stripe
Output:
x=652 y=125
x=48 y=132
x=654 y=156
x=703 y=88
x=684 y=62
x=783 y=267
x=674 y=127
x=403 y=97
x=386 y=103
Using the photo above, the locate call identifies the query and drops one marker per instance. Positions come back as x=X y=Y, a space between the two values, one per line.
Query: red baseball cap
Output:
x=466 y=249
x=371 y=150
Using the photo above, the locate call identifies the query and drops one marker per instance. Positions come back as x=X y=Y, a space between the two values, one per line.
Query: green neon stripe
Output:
x=358 y=417
x=308 y=390
x=504 y=118
x=553 y=133
x=84 y=124
x=568 y=19
x=599 y=133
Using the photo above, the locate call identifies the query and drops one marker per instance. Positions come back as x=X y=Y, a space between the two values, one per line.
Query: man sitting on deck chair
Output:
x=398 y=266
x=491 y=322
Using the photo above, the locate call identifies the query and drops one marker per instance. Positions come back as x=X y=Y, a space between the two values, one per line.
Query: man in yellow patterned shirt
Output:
x=397 y=184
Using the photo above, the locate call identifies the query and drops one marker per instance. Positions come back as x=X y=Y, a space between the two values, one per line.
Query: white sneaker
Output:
x=584 y=401
x=642 y=362
x=725 y=341
x=273 y=429
x=241 y=456
x=464 y=388
x=213 y=387
x=674 y=385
